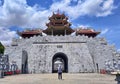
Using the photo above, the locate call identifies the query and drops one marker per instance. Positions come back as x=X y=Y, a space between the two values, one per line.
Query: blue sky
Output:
x=101 y=15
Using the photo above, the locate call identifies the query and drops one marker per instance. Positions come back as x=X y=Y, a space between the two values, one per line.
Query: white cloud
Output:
x=6 y=35
x=19 y=13
x=80 y=26
x=85 y=7
x=104 y=31
x=118 y=50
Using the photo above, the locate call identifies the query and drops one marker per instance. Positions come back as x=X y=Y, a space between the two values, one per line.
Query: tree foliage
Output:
x=2 y=48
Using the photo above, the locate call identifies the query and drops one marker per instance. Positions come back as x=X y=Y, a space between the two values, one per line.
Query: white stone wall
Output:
x=82 y=52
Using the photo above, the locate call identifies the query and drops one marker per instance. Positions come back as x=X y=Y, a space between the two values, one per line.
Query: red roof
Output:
x=31 y=32
x=87 y=31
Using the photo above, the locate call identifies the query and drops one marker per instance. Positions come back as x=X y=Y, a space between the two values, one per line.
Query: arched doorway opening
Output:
x=60 y=59
x=24 y=62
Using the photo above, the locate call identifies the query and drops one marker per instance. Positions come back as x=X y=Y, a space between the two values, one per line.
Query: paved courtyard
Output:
x=86 y=78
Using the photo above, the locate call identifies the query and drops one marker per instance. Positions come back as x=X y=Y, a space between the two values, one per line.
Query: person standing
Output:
x=59 y=72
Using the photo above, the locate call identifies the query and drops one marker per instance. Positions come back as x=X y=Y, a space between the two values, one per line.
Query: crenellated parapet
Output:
x=67 y=38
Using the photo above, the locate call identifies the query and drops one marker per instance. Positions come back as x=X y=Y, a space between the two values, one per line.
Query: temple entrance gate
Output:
x=24 y=62
x=60 y=59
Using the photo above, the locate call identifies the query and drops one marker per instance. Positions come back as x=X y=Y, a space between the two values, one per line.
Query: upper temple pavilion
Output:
x=58 y=25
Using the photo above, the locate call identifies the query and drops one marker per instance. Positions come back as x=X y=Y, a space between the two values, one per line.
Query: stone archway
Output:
x=60 y=59
x=24 y=62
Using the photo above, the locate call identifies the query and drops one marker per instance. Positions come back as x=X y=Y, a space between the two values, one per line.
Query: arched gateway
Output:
x=60 y=59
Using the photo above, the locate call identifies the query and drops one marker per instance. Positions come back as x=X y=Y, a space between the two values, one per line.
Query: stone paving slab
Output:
x=86 y=78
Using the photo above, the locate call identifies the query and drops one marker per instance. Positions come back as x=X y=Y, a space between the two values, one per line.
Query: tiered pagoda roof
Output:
x=58 y=25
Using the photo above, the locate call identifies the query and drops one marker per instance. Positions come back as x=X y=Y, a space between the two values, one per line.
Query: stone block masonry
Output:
x=77 y=53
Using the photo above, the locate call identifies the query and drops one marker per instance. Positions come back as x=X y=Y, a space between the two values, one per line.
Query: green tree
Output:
x=2 y=48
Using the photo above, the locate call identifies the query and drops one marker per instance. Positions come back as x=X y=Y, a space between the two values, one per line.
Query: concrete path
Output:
x=86 y=78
